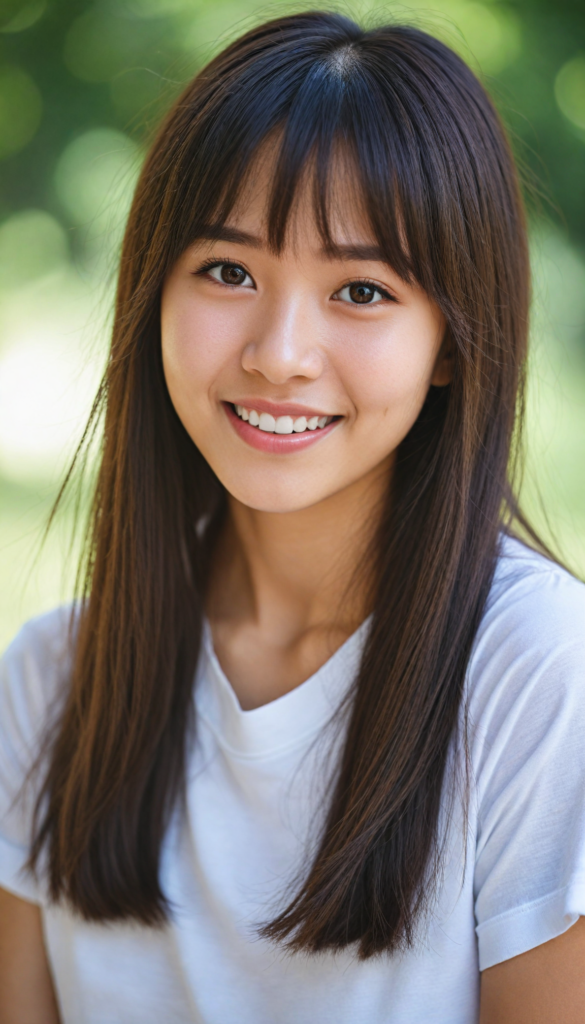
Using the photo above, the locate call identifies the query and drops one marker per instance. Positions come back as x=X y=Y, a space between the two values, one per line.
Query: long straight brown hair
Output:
x=439 y=188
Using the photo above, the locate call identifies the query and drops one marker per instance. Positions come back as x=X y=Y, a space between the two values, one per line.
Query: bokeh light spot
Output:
x=21 y=109
x=489 y=38
x=94 y=173
x=44 y=397
x=18 y=16
x=32 y=244
x=493 y=35
x=94 y=180
x=570 y=90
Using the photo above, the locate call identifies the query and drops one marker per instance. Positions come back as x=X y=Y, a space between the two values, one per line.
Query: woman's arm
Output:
x=26 y=989
x=544 y=986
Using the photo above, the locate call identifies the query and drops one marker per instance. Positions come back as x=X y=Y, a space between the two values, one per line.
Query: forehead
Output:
x=324 y=213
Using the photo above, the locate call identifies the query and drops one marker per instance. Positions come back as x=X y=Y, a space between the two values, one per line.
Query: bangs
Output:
x=327 y=124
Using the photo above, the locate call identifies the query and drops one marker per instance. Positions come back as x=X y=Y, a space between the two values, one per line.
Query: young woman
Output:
x=310 y=745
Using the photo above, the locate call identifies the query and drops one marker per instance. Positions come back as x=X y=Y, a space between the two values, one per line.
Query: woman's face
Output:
x=296 y=375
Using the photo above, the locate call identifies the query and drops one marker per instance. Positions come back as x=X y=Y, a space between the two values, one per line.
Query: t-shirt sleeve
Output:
x=527 y=742
x=32 y=676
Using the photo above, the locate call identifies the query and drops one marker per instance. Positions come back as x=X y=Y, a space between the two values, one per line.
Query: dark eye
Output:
x=231 y=273
x=360 y=293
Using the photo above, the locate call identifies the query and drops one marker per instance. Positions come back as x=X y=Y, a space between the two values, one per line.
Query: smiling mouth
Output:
x=281 y=424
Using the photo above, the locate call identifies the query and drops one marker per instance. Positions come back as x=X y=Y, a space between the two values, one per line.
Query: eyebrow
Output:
x=222 y=233
x=332 y=251
x=354 y=251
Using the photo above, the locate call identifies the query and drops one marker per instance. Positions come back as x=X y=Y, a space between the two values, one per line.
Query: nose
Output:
x=284 y=343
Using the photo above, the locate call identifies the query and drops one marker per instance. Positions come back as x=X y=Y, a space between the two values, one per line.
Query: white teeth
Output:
x=281 y=424
x=284 y=425
x=267 y=422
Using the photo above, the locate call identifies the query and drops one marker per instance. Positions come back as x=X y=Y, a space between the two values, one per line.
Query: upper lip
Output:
x=277 y=409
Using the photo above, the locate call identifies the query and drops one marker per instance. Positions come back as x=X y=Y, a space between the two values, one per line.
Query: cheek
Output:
x=197 y=344
x=388 y=376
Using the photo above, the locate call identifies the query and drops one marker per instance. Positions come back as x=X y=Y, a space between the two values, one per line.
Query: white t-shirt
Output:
x=254 y=785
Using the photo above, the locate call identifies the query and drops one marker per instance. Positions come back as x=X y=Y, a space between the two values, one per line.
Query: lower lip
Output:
x=278 y=444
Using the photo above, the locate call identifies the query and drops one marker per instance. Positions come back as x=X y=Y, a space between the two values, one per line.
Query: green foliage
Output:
x=538 y=102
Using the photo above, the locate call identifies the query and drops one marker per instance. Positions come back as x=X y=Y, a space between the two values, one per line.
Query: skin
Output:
x=286 y=591
x=284 y=597
x=26 y=988
x=544 y=986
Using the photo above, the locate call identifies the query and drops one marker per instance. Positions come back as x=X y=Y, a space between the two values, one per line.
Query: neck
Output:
x=293 y=572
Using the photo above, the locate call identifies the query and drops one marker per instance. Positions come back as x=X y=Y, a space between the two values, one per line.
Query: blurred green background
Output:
x=82 y=86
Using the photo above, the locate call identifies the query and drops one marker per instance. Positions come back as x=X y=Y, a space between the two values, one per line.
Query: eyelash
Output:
x=210 y=264
x=371 y=284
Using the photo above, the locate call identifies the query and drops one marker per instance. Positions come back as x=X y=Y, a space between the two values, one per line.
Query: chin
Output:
x=276 y=498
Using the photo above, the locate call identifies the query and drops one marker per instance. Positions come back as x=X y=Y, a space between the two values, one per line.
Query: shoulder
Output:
x=527 y=669
x=535 y=611
x=33 y=677
x=530 y=590
x=34 y=674
x=525 y=728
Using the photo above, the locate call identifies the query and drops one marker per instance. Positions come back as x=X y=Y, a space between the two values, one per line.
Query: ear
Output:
x=443 y=369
